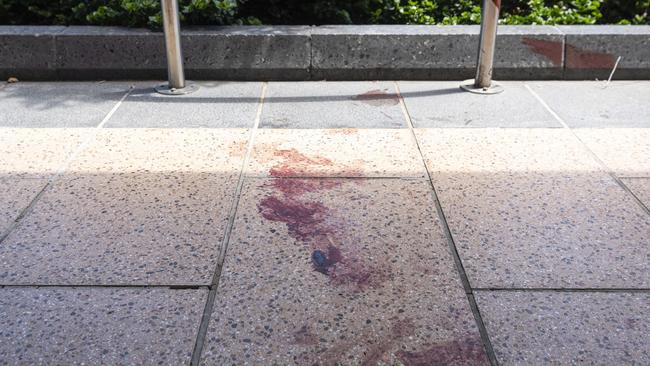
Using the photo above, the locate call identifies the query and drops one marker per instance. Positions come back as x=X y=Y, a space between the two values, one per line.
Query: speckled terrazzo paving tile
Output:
x=335 y=152
x=567 y=328
x=529 y=208
x=91 y=326
x=332 y=105
x=164 y=150
x=214 y=105
x=591 y=104
x=59 y=104
x=344 y=272
x=137 y=207
x=625 y=151
x=15 y=196
x=444 y=104
x=640 y=187
x=37 y=152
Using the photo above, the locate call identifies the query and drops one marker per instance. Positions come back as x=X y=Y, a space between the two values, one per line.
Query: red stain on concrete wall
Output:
x=578 y=58
x=552 y=50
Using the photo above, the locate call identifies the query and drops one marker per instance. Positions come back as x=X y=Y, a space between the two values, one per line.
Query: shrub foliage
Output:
x=140 y=13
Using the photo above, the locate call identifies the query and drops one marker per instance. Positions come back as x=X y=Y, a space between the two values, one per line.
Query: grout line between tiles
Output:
x=209 y=305
x=339 y=177
x=60 y=171
x=602 y=164
x=560 y=289
x=636 y=198
x=90 y=139
x=171 y=287
x=450 y=240
x=115 y=107
x=23 y=213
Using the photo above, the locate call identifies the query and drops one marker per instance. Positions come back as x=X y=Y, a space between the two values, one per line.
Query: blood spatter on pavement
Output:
x=305 y=337
x=298 y=187
x=296 y=203
x=237 y=148
x=377 y=98
x=342 y=131
x=399 y=328
x=294 y=163
x=465 y=351
x=304 y=220
x=376 y=347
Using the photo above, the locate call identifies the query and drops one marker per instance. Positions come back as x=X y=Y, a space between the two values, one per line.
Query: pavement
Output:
x=325 y=223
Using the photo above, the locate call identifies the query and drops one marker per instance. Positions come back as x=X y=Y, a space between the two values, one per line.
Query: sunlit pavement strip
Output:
x=531 y=208
x=121 y=218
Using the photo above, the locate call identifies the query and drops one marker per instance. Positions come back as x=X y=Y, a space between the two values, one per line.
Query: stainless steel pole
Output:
x=175 y=72
x=172 y=27
x=487 y=39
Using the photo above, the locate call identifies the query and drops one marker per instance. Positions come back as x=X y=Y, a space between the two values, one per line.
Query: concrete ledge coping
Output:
x=333 y=52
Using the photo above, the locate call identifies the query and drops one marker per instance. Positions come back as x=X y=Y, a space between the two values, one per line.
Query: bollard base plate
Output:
x=165 y=89
x=468 y=85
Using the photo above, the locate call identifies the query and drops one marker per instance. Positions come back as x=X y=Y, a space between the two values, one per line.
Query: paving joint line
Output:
x=598 y=160
x=66 y=165
x=209 y=305
x=16 y=222
x=560 y=289
x=126 y=286
x=336 y=177
x=487 y=344
x=51 y=179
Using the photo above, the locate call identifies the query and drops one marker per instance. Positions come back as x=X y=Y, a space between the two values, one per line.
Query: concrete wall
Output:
x=325 y=52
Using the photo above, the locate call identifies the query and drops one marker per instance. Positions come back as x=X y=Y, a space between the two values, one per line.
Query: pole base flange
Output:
x=165 y=89
x=468 y=85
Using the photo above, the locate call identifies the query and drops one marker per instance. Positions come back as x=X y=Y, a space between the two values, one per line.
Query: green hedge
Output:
x=139 y=13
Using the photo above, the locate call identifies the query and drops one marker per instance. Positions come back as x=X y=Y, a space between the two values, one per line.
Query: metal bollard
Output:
x=483 y=83
x=172 y=28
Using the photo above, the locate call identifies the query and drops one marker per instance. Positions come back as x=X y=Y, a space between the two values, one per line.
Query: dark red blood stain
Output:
x=399 y=329
x=375 y=354
x=402 y=328
x=298 y=187
x=552 y=50
x=303 y=219
x=360 y=278
x=296 y=163
x=305 y=337
x=577 y=58
x=307 y=221
x=467 y=351
x=358 y=273
x=377 y=98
